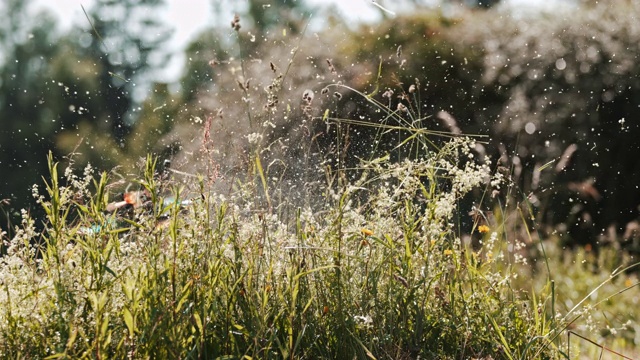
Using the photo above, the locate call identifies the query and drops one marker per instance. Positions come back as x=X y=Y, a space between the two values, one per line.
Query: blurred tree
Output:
x=87 y=85
x=269 y=13
x=106 y=70
x=126 y=42
x=204 y=54
x=213 y=47
x=25 y=124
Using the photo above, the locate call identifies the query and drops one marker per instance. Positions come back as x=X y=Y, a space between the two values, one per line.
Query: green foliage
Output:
x=383 y=277
x=66 y=93
x=104 y=77
x=25 y=46
x=322 y=229
x=562 y=83
x=279 y=13
x=125 y=37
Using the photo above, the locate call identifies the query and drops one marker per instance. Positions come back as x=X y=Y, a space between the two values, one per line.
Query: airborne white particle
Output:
x=530 y=128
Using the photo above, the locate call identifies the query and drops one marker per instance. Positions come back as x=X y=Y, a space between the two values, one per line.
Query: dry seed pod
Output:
x=307 y=96
x=331 y=67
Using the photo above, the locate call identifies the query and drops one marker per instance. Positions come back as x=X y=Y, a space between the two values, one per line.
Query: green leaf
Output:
x=55 y=356
x=128 y=320
x=198 y=321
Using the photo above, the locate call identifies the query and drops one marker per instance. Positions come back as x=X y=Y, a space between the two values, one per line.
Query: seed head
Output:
x=235 y=23
x=307 y=96
x=331 y=67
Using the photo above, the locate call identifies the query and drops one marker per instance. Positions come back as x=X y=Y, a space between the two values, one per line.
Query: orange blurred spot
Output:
x=130 y=198
x=628 y=282
x=366 y=232
x=483 y=229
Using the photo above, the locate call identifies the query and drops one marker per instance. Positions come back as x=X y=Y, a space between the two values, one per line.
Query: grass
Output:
x=375 y=273
x=373 y=267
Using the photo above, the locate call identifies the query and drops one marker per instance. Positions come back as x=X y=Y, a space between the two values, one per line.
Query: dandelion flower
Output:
x=366 y=232
x=448 y=252
x=483 y=229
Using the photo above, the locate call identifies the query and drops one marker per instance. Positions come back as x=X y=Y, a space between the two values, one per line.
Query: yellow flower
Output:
x=366 y=232
x=448 y=252
x=628 y=282
x=483 y=229
x=489 y=257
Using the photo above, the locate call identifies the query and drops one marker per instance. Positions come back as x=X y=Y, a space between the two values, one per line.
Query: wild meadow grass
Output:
x=376 y=272
x=374 y=267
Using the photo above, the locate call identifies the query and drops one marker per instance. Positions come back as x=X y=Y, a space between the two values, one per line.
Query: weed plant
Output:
x=377 y=271
x=373 y=267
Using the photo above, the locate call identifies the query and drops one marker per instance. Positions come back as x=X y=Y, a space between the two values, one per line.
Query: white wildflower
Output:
x=254 y=138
